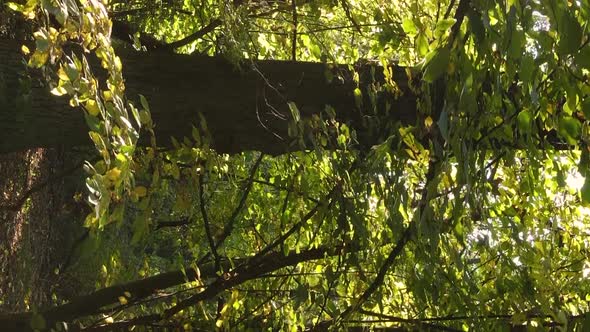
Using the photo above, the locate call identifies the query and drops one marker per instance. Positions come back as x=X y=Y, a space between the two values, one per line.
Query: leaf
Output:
x=15 y=6
x=517 y=41
x=583 y=57
x=524 y=120
x=140 y=191
x=358 y=97
x=586 y=108
x=437 y=65
x=92 y=107
x=570 y=129
x=527 y=67
x=585 y=191
x=584 y=164
x=113 y=174
x=570 y=33
x=476 y=25
x=445 y=24
x=144 y=103
x=443 y=124
x=409 y=26
x=422 y=44
x=294 y=111
x=300 y=295
x=58 y=91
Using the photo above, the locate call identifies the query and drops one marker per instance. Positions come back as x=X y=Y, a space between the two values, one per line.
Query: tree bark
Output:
x=245 y=108
x=246 y=270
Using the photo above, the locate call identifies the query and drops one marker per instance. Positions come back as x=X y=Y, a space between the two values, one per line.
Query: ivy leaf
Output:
x=437 y=65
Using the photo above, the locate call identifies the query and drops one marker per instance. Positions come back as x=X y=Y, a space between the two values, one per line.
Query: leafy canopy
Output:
x=475 y=217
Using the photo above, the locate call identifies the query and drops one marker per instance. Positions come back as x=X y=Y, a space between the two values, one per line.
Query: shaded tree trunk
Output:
x=136 y=290
x=245 y=108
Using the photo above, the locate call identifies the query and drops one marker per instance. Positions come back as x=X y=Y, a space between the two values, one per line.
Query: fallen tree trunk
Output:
x=245 y=108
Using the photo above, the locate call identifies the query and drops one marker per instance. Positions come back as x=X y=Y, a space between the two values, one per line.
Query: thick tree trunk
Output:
x=245 y=108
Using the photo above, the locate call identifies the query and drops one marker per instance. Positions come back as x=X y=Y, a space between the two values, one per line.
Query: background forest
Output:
x=295 y=165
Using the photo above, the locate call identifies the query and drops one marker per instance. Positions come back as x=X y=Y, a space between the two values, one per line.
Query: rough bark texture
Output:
x=245 y=108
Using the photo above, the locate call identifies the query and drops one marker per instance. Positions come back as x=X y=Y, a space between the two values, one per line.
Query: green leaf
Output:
x=570 y=129
x=144 y=103
x=444 y=25
x=358 y=97
x=476 y=25
x=586 y=108
x=517 y=41
x=294 y=111
x=409 y=26
x=422 y=44
x=527 y=67
x=585 y=191
x=524 y=120
x=15 y=6
x=437 y=65
x=583 y=57
x=570 y=33
x=584 y=164
x=443 y=124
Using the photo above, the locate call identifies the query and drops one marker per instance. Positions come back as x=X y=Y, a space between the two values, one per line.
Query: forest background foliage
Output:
x=469 y=214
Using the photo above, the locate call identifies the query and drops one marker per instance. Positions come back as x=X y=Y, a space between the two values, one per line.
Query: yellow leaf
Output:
x=61 y=73
x=140 y=191
x=113 y=174
x=25 y=50
x=38 y=59
x=428 y=122
x=92 y=107
x=122 y=300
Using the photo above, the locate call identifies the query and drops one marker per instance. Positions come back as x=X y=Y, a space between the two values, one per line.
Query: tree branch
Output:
x=192 y=37
x=90 y=304
x=252 y=270
x=228 y=228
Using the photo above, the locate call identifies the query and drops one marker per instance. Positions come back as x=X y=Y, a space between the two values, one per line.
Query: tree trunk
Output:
x=140 y=289
x=245 y=108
